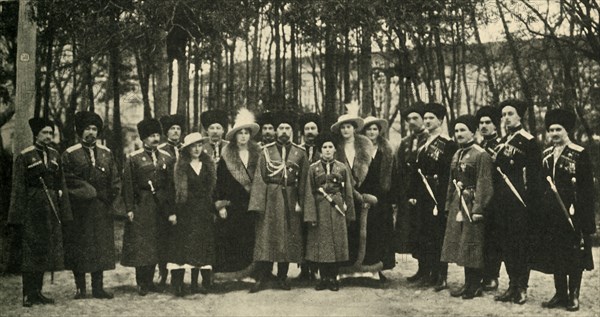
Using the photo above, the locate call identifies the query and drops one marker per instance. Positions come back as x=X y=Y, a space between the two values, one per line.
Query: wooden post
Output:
x=25 y=93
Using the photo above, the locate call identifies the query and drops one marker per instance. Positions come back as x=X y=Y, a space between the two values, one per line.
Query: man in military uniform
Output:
x=566 y=221
x=214 y=123
x=406 y=158
x=40 y=205
x=94 y=183
x=310 y=127
x=428 y=195
x=275 y=197
x=488 y=119
x=267 y=131
x=148 y=193
x=172 y=126
x=518 y=160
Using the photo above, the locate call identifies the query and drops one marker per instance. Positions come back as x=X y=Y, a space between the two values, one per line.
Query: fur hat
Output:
x=168 y=121
x=265 y=118
x=284 y=116
x=209 y=117
x=437 y=109
x=418 y=107
x=37 y=124
x=324 y=137
x=148 y=127
x=469 y=120
x=519 y=105
x=491 y=112
x=309 y=117
x=560 y=116
x=83 y=119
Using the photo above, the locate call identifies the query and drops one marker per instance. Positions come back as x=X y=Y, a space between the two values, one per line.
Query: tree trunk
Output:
x=366 y=73
x=519 y=70
x=294 y=61
x=197 y=85
x=329 y=111
x=219 y=79
x=48 y=77
x=117 y=142
x=346 y=68
x=231 y=78
x=183 y=82
x=484 y=57
x=144 y=79
x=162 y=104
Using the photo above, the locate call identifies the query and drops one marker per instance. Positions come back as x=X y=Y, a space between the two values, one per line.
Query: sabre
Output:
x=330 y=200
x=430 y=191
x=153 y=193
x=511 y=186
x=560 y=202
x=462 y=200
x=50 y=202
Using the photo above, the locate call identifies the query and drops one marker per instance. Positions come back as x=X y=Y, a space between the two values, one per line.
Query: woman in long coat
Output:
x=565 y=247
x=328 y=209
x=355 y=150
x=234 y=229
x=471 y=183
x=192 y=241
x=380 y=222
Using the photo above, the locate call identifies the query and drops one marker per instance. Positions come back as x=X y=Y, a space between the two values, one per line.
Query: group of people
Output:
x=342 y=202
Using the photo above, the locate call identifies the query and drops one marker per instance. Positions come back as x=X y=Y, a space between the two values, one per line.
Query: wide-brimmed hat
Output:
x=243 y=120
x=382 y=123
x=191 y=138
x=350 y=117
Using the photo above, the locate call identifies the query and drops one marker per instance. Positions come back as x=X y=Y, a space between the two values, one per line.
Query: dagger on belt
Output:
x=430 y=191
x=511 y=186
x=560 y=201
x=462 y=200
x=330 y=200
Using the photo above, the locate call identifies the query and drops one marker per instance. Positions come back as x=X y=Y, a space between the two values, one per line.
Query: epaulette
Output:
x=164 y=152
x=136 y=152
x=162 y=146
x=225 y=142
x=28 y=149
x=268 y=145
x=298 y=146
x=52 y=149
x=478 y=148
x=100 y=146
x=74 y=147
x=548 y=150
x=526 y=134
x=576 y=147
x=315 y=163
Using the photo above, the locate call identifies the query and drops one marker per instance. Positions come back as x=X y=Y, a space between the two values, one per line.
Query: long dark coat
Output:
x=192 y=239
x=42 y=238
x=274 y=197
x=403 y=172
x=359 y=170
x=561 y=249
x=434 y=161
x=327 y=240
x=89 y=239
x=144 y=239
x=380 y=221
x=235 y=234
x=464 y=241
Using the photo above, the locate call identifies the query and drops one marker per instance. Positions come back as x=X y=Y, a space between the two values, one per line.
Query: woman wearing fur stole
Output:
x=235 y=225
x=355 y=150
x=192 y=242
x=380 y=222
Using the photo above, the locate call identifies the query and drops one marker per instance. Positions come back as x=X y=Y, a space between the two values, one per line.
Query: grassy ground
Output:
x=358 y=297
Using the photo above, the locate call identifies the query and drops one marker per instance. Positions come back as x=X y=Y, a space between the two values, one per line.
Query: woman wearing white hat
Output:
x=235 y=172
x=355 y=151
x=192 y=241
x=378 y=181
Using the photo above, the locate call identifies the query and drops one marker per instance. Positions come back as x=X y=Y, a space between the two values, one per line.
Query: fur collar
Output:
x=362 y=160
x=235 y=166
x=181 y=179
x=387 y=161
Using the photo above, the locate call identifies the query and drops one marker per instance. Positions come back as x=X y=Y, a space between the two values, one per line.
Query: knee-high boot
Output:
x=80 y=285
x=98 y=286
x=574 y=287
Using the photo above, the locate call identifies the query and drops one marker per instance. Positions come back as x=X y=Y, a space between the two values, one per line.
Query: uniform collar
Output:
x=490 y=137
x=467 y=145
x=514 y=130
x=149 y=149
x=175 y=144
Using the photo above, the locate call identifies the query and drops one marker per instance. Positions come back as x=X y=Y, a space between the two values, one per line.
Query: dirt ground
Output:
x=357 y=297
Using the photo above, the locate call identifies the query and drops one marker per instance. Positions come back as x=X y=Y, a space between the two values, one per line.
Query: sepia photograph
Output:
x=300 y=158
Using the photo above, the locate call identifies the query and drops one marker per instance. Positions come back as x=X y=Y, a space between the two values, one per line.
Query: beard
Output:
x=284 y=138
